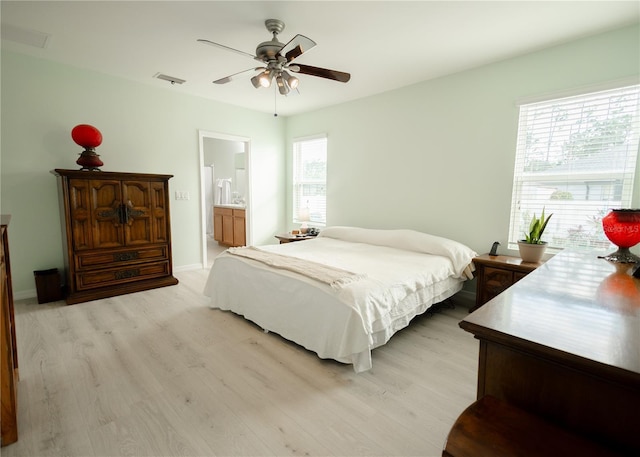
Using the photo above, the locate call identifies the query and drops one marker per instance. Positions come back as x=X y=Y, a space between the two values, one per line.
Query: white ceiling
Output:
x=383 y=44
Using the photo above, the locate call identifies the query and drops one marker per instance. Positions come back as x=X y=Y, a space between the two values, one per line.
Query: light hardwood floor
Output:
x=158 y=373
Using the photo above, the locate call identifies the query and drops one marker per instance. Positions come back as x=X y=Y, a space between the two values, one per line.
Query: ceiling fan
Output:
x=278 y=60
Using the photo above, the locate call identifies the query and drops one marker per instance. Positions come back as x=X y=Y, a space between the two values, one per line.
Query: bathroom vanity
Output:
x=229 y=225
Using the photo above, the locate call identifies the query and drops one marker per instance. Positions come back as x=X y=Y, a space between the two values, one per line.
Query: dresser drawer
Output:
x=116 y=257
x=113 y=276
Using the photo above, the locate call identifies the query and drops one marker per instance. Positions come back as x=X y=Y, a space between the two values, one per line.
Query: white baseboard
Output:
x=24 y=294
x=193 y=266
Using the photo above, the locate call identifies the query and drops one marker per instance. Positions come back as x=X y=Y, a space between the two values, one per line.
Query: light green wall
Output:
x=438 y=156
x=145 y=129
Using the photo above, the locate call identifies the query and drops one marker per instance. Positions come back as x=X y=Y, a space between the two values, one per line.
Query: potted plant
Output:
x=532 y=247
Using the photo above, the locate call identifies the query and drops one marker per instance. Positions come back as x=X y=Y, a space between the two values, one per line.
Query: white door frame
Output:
x=202 y=134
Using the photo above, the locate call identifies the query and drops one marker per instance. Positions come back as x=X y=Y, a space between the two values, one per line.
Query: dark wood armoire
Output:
x=117 y=233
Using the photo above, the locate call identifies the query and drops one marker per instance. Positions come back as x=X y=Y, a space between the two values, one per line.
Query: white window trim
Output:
x=294 y=216
x=578 y=91
x=520 y=175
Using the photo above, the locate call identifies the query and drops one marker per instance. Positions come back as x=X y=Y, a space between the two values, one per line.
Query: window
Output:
x=310 y=180
x=576 y=158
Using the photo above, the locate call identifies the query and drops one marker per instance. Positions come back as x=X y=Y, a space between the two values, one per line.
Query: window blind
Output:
x=310 y=180
x=576 y=158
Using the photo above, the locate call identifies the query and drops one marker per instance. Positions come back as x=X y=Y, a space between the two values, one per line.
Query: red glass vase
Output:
x=622 y=227
x=89 y=138
x=86 y=135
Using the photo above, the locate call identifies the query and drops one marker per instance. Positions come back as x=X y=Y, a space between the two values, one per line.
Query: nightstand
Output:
x=289 y=238
x=496 y=273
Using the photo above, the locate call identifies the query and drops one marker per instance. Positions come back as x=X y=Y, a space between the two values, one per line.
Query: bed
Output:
x=343 y=293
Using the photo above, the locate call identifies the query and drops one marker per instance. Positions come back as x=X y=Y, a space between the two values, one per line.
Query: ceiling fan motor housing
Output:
x=268 y=50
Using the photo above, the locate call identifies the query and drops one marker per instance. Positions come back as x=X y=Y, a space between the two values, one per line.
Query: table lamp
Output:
x=304 y=217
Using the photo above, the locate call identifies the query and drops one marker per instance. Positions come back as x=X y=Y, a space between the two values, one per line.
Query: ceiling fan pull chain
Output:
x=275 y=102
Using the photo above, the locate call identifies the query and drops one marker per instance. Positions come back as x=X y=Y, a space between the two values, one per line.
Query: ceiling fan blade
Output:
x=229 y=78
x=222 y=46
x=321 y=72
x=297 y=46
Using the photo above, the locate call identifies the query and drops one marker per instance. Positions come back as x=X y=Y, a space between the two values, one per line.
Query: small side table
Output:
x=496 y=273
x=289 y=238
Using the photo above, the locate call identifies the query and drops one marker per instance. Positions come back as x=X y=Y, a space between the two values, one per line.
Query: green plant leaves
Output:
x=536 y=228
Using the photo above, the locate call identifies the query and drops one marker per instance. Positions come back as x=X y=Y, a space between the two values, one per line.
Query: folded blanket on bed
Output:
x=335 y=277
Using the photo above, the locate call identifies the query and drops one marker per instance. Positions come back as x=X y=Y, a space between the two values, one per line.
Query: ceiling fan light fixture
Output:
x=283 y=87
x=256 y=81
x=265 y=78
x=292 y=81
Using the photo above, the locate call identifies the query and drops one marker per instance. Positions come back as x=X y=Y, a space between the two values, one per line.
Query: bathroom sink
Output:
x=231 y=205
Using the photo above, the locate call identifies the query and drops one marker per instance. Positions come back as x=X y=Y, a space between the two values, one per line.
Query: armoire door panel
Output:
x=138 y=230
x=159 y=227
x=80 y=209
x=160 y=211
x=107 y=234
x=137 y=193
x=137 y=197
x=106 y=198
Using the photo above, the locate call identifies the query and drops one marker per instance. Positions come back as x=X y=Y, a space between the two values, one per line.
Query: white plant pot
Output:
x=531 y=252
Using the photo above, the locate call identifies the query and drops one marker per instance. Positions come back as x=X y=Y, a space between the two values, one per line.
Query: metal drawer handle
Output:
x=124 y=274
x=124 y=256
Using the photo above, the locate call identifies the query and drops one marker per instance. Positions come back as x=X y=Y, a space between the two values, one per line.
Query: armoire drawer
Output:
x=129 y=273
x=85 y=261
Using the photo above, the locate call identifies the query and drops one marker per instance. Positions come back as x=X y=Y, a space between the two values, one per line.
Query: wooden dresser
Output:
x=9 y=368
x=117 y=233
x=564 y=345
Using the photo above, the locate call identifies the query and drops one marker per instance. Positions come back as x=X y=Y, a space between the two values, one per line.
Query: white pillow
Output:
x=409 y=240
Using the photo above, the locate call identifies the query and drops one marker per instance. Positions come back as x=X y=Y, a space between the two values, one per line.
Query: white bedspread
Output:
x=346 y=323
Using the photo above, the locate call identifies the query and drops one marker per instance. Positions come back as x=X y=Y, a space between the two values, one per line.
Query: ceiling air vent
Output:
x=25 y=36
x=171 y=79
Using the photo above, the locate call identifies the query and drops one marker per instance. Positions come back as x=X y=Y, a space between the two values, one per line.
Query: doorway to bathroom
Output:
x=224 y=180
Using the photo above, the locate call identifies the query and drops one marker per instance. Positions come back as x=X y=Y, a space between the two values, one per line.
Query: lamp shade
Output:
x=264 y=78
x=303 y=214
x=291 y=80
x=86 y=136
